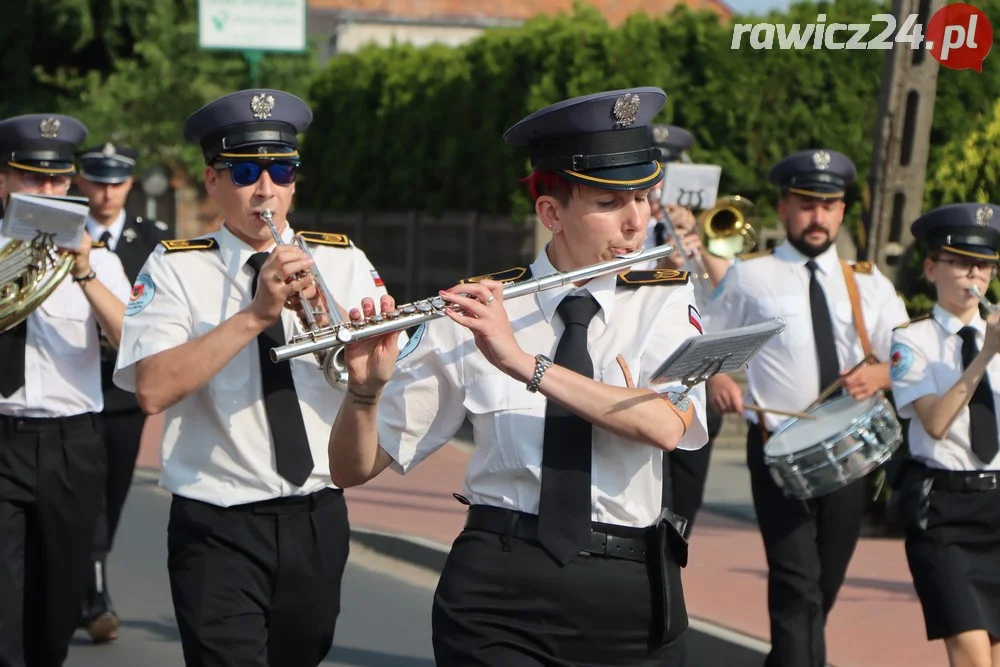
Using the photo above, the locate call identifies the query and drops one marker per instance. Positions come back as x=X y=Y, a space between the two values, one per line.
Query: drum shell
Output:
x=817 y=469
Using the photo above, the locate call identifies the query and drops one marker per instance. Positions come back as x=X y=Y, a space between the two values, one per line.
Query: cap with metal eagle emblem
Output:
x=962 y=229
x=41 y=143
x=107 y=163
x=256 y=124
x=673 y=141
x=601 y=140
x=821 y=173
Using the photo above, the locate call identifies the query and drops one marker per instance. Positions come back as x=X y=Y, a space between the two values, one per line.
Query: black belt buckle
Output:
x=985 y=481
x=669 y=553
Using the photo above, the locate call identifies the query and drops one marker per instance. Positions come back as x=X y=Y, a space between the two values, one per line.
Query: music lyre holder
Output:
x=699 y=358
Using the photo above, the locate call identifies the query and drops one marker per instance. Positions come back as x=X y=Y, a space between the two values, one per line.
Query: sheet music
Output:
x=700 y=357
x=694 y=186
x=62 y=218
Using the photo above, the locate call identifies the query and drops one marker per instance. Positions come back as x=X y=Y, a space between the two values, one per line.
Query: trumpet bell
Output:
x=731 y=227
x=29 y=273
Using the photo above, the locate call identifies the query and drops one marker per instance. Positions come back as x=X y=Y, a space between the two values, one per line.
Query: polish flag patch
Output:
x=694 y=317
x=377 y=278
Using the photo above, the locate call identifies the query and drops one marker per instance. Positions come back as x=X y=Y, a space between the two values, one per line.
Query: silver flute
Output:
x=403 y=317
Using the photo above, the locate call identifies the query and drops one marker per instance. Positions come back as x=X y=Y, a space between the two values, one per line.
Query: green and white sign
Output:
x=260 y=25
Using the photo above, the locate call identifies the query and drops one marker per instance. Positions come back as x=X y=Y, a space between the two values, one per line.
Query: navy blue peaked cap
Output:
x=259 y=124
x=962 y=229
x=107 y=163
x=601 y=140
x=672 y=140
x=41 y=142
x=820 y=173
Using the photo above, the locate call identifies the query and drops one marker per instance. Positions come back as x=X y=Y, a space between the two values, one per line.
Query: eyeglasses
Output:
x=35 y=180
x=965 y=265
x=248 y=173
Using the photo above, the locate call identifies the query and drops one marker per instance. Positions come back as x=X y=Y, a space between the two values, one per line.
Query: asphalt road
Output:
x=384 y=622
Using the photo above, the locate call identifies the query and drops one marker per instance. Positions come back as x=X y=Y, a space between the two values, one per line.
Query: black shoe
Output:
x=99 y=618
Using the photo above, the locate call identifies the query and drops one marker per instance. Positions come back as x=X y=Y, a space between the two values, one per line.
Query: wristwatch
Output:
x=82 y=279
x=542 y=364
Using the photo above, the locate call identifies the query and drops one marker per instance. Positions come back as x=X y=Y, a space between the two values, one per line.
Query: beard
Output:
x=807 y=249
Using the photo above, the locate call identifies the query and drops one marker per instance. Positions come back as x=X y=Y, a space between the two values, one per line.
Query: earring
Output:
x=555 y=230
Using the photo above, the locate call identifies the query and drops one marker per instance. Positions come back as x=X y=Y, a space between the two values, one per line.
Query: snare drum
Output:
x=847 y=440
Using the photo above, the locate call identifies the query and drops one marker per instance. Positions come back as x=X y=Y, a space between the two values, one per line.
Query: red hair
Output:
x=547 y=183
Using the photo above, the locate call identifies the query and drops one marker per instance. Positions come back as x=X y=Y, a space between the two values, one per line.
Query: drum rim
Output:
x=878 y=400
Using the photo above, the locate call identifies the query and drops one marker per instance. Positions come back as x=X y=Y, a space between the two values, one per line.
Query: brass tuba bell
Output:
x=731 y=227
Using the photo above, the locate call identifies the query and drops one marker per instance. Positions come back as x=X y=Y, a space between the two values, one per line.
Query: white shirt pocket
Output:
x=65 y=316
x=508 y=422
x=794 y=311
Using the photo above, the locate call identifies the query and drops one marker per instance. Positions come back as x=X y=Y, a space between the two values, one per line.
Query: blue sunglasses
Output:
x=248 y=173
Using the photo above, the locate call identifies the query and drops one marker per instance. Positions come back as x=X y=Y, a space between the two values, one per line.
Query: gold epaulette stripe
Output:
x=506 y=276
x=324 y=238
x=658 y=277
x=863 y=267
x=755 y=255
x=915 y=319
x=98 y=244
x=189 y=244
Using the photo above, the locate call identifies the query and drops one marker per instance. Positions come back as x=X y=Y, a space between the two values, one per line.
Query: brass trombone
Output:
x=334 y=370
x=731 y=227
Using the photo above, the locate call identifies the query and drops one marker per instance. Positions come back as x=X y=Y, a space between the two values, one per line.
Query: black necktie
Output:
x=564 y=506
x=106 y=239
x=12 y=345
x=982 y=412
x=826 y=346
x=292 y=455
x=659 y=233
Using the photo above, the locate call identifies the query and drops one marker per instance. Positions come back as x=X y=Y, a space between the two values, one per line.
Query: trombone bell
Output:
x=731 y=227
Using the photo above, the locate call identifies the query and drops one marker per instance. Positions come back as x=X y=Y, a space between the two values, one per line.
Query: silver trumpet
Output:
x=334 y=371
x=334 y=338
x=976 y=292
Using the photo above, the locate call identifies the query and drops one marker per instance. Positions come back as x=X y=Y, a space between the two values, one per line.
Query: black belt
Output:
x=283 y=505
x=83 y=423
x=630 y=543
x=963 y=481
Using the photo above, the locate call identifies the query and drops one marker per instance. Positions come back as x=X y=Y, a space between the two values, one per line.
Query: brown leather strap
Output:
x=859 y=318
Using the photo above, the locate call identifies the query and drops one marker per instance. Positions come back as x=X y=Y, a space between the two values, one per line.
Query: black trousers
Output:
x=688 y=471
x=809 y=545
x=122 y=435
x=258 y=584
x=51 y=475
x=502 y=600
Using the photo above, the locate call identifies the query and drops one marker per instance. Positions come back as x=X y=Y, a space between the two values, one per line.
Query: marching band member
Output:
x=944 y=373
x=105 y=179
x=258 y=533
x=52 y=458
x=829 y=308
x=686 y=470
x=566 y=529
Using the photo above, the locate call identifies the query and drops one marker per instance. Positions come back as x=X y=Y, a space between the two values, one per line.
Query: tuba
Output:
x=731 y=227
x=29 y=272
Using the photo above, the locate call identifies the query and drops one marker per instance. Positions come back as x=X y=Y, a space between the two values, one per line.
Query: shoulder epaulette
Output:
x=918 y=318
x=324 y=238
x=658 y=277
x=98 y=244
x=754 y=255
x=864 y=267
x=507 y=276
x=189 y=244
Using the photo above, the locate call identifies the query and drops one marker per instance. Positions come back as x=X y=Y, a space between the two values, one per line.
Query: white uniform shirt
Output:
x=62 y=356
x=442 y=377
x=927 y=361
x=217 y=444
x=784 y=374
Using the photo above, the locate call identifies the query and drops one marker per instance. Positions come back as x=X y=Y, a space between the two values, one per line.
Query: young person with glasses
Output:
x=945 y=379
x=258 y=533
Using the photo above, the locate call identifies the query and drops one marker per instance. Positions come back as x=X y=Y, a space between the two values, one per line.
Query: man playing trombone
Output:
x=830 y=307
x=258 y=534
x=52 y=458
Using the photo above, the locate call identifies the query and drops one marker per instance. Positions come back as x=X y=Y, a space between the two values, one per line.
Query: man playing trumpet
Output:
x=258 y=534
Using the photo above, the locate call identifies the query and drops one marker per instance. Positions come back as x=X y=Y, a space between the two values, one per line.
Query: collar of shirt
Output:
x=602 y=288
x=235 y=252
x=953 y=325
x=96 y=229
x=828 y=261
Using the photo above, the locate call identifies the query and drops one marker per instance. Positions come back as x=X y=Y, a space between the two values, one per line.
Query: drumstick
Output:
x=783 y=413
x=836 y=385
